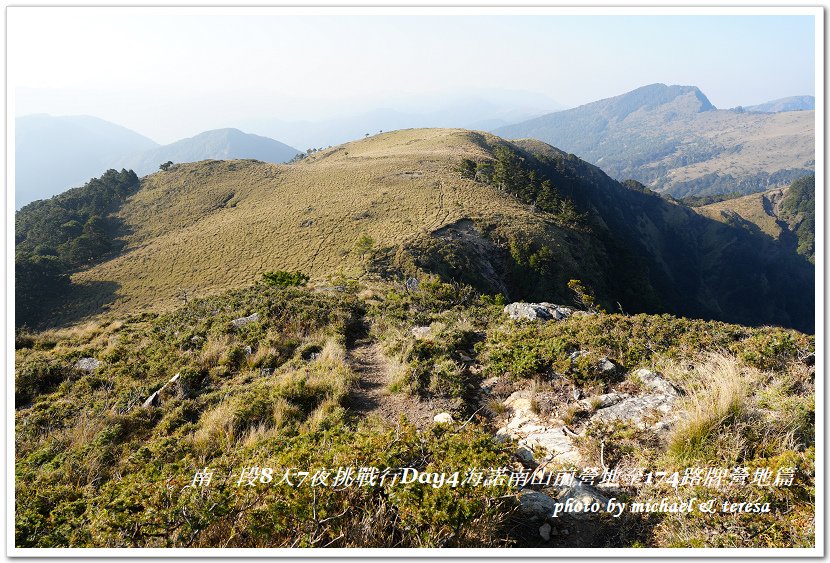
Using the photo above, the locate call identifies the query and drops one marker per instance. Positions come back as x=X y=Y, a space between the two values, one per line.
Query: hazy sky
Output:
x=170 y=74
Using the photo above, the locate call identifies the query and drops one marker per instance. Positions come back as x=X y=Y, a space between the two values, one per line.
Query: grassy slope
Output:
x=210 y=226
x=95 y=468
x=785 y=214
x=214 y=225
x=751 y=208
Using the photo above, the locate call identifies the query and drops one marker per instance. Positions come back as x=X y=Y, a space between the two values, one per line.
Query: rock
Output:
x=604 y=401
x=577 y=354
x=88 y=364
x=536 y=504
x=412 y=284
x=152 y=400
x=243 y=321
x=442 y=418
x=559 y=312
x=655 y=382
x=537 y=311
x=421 y=332
x=558 y=445
x=640 y=410
x=606 y=366
x=581 y=493
x=266 y=372
x=525 y=454
x=544 y=532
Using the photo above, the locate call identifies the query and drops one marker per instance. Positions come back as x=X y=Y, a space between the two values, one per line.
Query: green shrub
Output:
x=284 y=279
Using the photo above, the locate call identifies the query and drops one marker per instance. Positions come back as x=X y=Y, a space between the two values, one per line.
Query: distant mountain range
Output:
x=672 y=139
x=53 y=154
x=793 y=103
x=477 y=113
x=220 y=144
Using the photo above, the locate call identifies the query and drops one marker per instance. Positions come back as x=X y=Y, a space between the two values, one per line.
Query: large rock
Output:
x=557 y=444
x=88 y=364
x=534 y=434
x=603 y=401
x=242 y=321
x=641 y=411
x=537 y=311
x=536 y=504
x=582 y=493
x=442 y=418
x=656 y=383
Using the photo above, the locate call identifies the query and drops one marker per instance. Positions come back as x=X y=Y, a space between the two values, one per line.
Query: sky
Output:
x=172 y=73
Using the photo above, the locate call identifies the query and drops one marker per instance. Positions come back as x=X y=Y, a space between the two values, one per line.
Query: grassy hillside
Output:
x=785 y=214
x=326 y=379
x=673 y=140
x=521 y=219
x=182 y=348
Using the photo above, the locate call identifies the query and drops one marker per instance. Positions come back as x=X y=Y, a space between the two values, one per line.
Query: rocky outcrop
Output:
x=537 y=311
x=543 y=441
x=243 y=321
x=536 y=504
x=88 y=364
x=655 y=382
x=536 y=438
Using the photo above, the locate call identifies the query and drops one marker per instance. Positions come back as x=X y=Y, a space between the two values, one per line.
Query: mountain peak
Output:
x=687 y=99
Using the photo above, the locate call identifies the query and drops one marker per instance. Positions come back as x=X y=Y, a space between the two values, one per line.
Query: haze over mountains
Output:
x=673 y=140
x=792 y=103
x=670 y=138
x=78 y=148
x=53 y=154
x=220 y=144
x=482 y=111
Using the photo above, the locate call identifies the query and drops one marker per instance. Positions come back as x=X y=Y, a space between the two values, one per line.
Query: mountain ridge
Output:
x=672 y=139
x=527 y=217
x=219 y=144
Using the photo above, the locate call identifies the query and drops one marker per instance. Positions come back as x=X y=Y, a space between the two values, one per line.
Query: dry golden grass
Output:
x=214 y=225
x=750 y=208
x=213 y=350
x=717 y=392
x=772 y=143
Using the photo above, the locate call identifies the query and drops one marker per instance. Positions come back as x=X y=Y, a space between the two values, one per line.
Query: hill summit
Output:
x=518 y=218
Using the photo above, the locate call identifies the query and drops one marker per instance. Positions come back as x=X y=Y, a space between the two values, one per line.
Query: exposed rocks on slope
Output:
x=242 y=321
x=88 y=364
x=537 y=311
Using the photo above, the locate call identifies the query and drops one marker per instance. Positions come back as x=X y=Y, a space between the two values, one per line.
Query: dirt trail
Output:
x=371 y=395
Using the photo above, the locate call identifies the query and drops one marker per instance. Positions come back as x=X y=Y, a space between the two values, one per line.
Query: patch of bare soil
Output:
x=371 y=396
